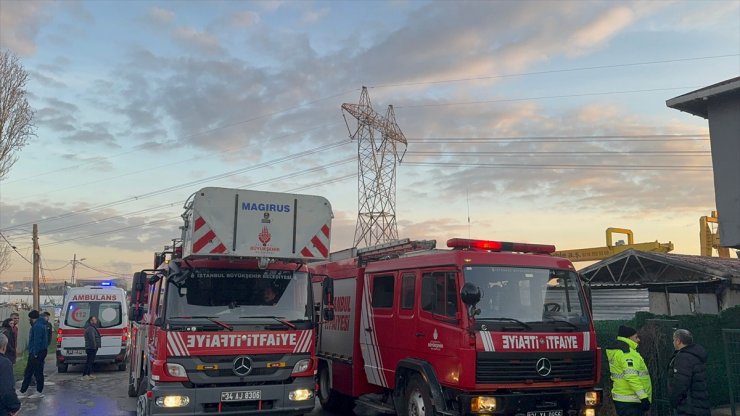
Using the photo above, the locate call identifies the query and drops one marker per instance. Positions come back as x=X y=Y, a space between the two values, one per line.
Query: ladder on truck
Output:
x=388 y=250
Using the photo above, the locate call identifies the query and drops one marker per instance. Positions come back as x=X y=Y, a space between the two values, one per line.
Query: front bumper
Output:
x=207 y=400
x=570 y=402
x=82 y=359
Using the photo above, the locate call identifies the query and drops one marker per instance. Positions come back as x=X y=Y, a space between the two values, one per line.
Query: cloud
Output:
x=203 y=41
x=601 y=29
x=160 y=16
x=20 y=22
x=314 y=16
x=92 y=134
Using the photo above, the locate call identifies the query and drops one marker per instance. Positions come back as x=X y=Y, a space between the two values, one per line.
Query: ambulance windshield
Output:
x=229 y=295
x=536 y=298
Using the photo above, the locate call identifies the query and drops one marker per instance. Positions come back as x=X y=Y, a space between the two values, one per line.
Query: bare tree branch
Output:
x=16 y=122
x=16 y=115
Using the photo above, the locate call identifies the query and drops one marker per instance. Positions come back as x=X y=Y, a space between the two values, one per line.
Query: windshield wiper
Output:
x=282 y=321
x=219 y=323
x=529 y=328
x=562 y=322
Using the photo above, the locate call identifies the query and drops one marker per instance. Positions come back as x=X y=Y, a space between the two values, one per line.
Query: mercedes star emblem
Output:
x=243 y=365
x=544 y=367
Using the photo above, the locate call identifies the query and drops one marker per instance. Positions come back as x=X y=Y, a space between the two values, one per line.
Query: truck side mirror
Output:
x=470 y=294
x=327 y=298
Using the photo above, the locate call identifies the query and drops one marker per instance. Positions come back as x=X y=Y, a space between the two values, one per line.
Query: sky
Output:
x=526 y=121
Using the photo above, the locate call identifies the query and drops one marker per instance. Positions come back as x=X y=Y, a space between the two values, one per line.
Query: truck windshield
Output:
x=538 y=298
x=230 y=295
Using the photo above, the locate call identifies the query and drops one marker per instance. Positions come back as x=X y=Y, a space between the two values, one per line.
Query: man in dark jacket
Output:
x=37 y=348
x=9 y=403
x=92 y=344
x=687 y=376
x=7 y=330
x=49 y=327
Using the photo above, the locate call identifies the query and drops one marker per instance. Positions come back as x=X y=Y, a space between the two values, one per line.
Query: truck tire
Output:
x=142 y=406
x=417 y=398
x=62 y=368
x=330 y=399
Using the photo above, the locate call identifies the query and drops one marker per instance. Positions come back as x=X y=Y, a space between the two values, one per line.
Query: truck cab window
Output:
x=408 y=291
x=439 y=293
x=382 y=296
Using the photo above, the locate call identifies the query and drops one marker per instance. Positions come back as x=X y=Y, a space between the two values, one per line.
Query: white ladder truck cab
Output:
x=483 y=328
x=224 y=322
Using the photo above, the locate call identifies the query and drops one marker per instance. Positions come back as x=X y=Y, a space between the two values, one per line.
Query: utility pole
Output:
x=36 y=268
x=74 y=264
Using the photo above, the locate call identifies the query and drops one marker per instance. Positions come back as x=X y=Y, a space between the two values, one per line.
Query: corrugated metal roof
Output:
x=633 y=266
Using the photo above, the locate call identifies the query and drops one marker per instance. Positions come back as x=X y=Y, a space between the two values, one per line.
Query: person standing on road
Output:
x=632 y=389
x=92 y=343
x=9 y=403
x=37 y=349
x=7 y=330
x=687 y=376
x=49 y=328
x=16 y=319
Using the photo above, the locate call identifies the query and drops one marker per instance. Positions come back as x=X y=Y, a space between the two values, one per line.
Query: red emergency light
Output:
x=465 y=243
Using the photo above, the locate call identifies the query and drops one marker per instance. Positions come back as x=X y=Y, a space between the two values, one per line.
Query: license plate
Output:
x=75 y=352
x=546 y=413
x=241 y=396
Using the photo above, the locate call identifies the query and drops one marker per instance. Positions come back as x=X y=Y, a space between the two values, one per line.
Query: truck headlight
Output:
x=176 y=370
x=301 y=366
x=300 y=394
x=483 y=404
x=592 y=398
x=172 y=401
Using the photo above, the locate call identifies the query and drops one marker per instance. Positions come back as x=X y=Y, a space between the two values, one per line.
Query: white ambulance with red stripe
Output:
x=107 y=303
x=481 y=328
x=225 y=322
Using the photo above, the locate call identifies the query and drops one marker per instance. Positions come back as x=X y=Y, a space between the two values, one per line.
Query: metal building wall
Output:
x=618 y=303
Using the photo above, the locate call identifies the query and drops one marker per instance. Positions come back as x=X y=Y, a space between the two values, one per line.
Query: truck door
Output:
x=439 y=334
x=377 y=329
x=406 y=323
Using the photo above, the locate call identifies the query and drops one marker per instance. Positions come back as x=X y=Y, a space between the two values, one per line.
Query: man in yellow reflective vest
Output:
x=632 y=390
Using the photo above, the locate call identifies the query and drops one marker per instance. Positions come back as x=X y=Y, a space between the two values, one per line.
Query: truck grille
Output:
x=496 y=367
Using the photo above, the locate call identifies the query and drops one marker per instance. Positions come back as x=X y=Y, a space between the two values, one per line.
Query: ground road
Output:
x=68 y=395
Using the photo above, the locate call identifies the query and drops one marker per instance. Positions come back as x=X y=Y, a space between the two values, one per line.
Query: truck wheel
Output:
x=142 y=406
x=143 y=384
x=62 y=368
x=418 y=400
x=330 y=399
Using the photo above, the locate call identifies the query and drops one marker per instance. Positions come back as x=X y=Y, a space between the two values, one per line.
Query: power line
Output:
x=573 y=153
x=140 y=148
x=553 y=71
x=161 y=166
x=314 y=150
x=103 y=271
x=556 y=167
x=288 y=176
x=601 y=138
x=504 y=100
x=15 y=249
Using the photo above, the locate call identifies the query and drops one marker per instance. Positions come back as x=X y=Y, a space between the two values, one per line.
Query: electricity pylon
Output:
x=378 y=139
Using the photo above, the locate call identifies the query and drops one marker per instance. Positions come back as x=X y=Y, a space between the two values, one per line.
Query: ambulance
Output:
x=108 y=304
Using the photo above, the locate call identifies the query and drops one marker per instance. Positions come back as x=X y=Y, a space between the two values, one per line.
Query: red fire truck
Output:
x=483 y=327
x=224 y=323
